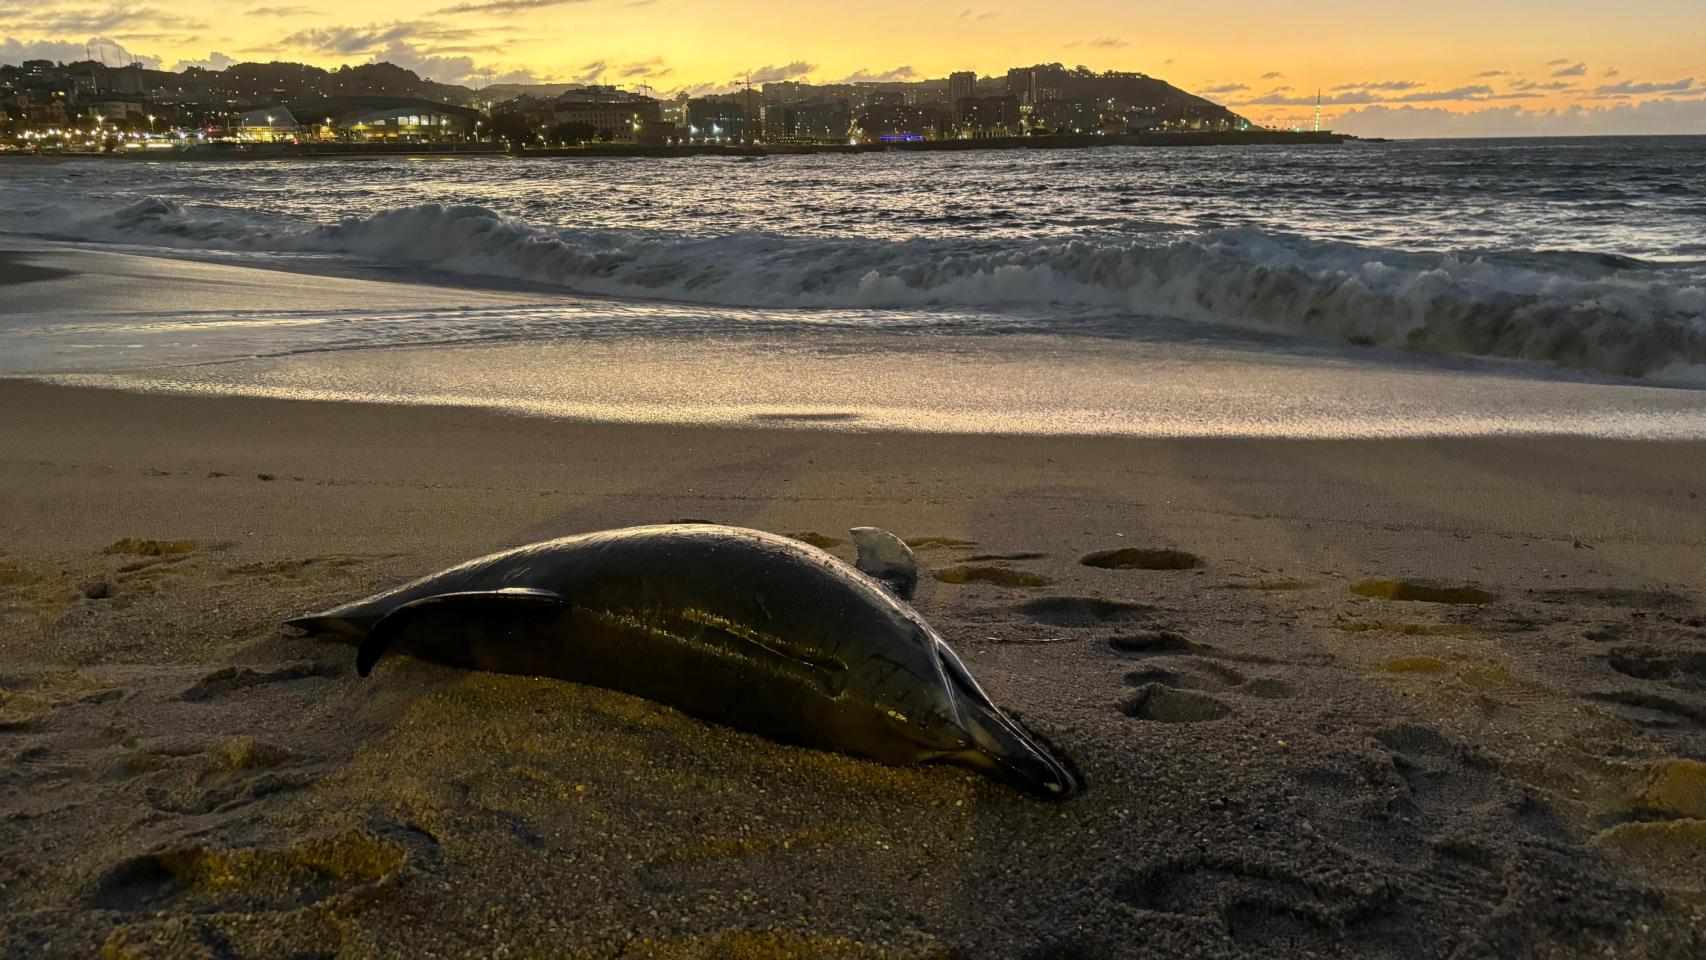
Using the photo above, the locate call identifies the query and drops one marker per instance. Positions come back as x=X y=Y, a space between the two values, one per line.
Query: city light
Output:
x=1068 y=106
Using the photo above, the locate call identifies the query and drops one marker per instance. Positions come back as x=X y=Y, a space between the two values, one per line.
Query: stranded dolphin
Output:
x=740 y=627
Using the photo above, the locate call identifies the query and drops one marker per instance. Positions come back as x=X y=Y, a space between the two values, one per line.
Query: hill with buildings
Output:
x=294 y=101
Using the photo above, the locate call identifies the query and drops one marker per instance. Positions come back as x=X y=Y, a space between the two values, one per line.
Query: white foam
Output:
x=1577 y=310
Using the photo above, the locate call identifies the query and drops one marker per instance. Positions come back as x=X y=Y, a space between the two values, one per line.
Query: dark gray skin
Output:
x=740 y=627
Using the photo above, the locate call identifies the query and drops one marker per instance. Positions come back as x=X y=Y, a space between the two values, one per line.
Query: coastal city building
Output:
x=984 y=117
x=266 y=125
x=92 y=106
x=961 y=86
x=715 y=120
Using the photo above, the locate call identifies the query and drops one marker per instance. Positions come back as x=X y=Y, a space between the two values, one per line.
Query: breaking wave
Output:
x=1591 y=311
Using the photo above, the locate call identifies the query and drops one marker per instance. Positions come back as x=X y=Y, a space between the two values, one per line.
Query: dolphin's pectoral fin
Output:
x=328 y=625
x=886 y=557
x=455 y=615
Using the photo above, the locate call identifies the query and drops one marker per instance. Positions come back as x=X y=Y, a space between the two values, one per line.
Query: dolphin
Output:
x=740 y=627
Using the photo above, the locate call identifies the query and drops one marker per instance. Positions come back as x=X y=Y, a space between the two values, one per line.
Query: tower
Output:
x=1317 y=109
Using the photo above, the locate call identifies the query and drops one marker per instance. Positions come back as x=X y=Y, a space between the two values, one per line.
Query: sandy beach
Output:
x=1397 y=698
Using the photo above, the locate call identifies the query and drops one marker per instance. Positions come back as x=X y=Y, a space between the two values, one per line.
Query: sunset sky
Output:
x=1452 y=67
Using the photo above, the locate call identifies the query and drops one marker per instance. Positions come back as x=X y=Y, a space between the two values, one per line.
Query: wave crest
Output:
x=1593 y=311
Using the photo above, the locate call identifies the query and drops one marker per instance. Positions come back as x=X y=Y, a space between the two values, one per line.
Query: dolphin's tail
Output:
x=1004 y=749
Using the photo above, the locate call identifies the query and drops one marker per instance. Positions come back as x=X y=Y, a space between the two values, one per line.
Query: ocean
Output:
x=1370 y=288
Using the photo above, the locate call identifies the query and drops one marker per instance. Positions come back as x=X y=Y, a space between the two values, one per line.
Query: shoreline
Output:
x=172 y=321
x=618 y=150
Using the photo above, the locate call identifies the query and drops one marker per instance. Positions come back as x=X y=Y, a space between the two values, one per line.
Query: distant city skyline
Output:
x=1453 y=68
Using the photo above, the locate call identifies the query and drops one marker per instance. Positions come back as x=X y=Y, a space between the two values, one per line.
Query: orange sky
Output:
x=1424 y=66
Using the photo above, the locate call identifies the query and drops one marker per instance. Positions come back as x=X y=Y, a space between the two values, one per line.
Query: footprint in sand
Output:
x=195 y=777
x=1140 y=558
x=252 y=879
x=1084 y=611
x=1438 y=771
x=1683 y=669
x=1261 y=904
x=1164 y=704
x=227 y=679
x=991 y=573
x=1146 y=642
x=1612 y=597
x=1204 y=675
x=1189 y=673
x=151 y=548
x=1652 y=710
x=1161 y=642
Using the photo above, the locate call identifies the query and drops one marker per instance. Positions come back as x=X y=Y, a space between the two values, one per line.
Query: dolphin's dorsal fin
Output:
x=886 y=557
x=482 y=605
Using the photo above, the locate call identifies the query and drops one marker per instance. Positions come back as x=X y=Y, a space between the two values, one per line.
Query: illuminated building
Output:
x=610 y=121
x=364 y=119
x=417 y=124
x=961 y=86
x=265 y=125
x=1069 y=116
x=815 y=121
x=888 y=120
x=984 y=117
x=715 y=120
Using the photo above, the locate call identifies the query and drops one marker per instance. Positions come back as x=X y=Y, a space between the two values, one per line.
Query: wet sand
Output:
x=1398 y=698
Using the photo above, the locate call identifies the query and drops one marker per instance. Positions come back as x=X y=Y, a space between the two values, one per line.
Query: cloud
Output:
x=1629 y=88
x=655 y=67
x=591 y=72
x=214 y=61
x=347 y=40
x=281 y=11
x=888 y=76
x=1667 y=116
x=441 y=69
x=970 y=14
x=1223 y=89
x=595 y=71
x=503 y=6
x=1484 y=74
x=106 y=49
x=1557 y=63
x=114 y=17
x=1555 y=86
x=1100 y=43
x=1270 y=75
x=375 y=36
x=434 y=65
x=1380 y=85
x=1458 y=93
x=1612 y=72
x=1578 y=70
x=772 y=72
x=1280 y=97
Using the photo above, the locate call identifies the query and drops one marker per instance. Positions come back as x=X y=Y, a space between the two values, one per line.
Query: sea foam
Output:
x=1584 y=310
